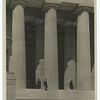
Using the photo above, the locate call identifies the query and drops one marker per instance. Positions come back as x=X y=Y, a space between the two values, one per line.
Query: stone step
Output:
x=35 y=94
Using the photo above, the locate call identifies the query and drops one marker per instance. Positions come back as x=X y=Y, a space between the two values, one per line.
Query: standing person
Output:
x=39 y=83
x=71 y=84
x=45 y=85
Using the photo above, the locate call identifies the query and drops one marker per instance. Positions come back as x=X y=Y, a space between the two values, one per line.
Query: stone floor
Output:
x=35 y=94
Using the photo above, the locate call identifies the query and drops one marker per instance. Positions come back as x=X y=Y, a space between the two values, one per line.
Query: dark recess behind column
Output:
x=61 y=57
x=30 y=55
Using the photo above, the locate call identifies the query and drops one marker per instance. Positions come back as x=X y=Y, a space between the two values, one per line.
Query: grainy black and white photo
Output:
x=50 y=50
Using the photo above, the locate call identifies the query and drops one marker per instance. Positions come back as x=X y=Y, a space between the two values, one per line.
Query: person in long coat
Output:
x=45 y=84
x=39 y=83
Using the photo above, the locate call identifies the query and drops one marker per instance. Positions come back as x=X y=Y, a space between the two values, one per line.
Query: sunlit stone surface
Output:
x=83 y=52
x=51 y=52
x=18 y=47
x=46 y=19
x=70 y=74
x=40 y=72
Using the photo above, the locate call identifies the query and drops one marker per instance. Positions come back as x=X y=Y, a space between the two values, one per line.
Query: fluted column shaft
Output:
x=18 y=46
x=83 y=52
x=51 y=49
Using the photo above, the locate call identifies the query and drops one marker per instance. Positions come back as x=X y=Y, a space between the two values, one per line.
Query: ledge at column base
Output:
x=35 y=94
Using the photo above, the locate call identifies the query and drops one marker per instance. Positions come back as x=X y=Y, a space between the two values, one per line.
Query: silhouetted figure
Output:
x=39 y=83
x=45 y=85
x=71 y=84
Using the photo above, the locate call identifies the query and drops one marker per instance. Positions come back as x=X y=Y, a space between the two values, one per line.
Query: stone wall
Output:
x=11 y=86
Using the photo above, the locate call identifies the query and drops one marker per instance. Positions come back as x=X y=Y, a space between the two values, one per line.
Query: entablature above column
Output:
x=47 y=6
x=66 y=5
x=61 y=6
x=14 y=3
x=80 y=9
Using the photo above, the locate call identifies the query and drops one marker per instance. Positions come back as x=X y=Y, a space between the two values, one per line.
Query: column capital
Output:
x=14 y=3
x=83 y=8
x=47 y=6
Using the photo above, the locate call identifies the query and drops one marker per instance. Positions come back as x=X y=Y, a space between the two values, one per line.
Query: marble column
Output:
x=70 y=74
x=51 y=49
x=83 y=52
x=18 y=45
